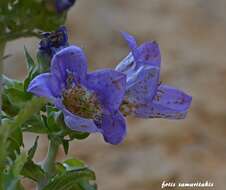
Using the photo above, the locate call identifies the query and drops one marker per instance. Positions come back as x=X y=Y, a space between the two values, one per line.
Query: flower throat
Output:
x=81 y=102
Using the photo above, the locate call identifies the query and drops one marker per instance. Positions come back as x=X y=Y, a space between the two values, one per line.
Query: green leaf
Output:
x=51 y=122
x=32 y=150
x=44 y=62
x=19 y=164
x=70 y=180
x=32 y=69
x=14 y=97
x=65 y=145
x=35 y=125
x=17 y=97
x=33 y=171
x=10 y=83
x=12 y=174
x=21 y=19
x=87 y=186
x=3 y=115
x=4 y=133
x=54 y=121
x=15 y=141
x=60 y=168
x=8 y=108
x=75 y=168
x=73 y=164
x=77 y=135
x=30 y=62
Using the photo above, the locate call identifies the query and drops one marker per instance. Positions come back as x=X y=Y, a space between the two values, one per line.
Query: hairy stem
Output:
x=8 y=127
x=16 y=35
x=3 y=130
x=48 y=165
x=2 y=48
x=49 y=162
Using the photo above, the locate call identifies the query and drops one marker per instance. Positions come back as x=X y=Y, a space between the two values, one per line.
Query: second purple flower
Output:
x=145 y=96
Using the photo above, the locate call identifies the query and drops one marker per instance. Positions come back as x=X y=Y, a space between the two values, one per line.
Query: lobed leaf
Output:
x=70 y=180
x=33 y=149
x=32 y=171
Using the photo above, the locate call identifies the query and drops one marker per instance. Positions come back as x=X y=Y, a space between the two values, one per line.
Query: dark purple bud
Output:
x=63 y=5
x=52 y=42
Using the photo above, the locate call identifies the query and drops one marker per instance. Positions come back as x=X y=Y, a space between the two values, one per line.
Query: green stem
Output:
x=48 y=165
x=49 y=162
x=8 y=127
x=3 y=131
x=2 y=48
x=14 y=36
x=3 y=152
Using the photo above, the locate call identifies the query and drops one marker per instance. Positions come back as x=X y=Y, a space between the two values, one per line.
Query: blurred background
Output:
x=192 y=37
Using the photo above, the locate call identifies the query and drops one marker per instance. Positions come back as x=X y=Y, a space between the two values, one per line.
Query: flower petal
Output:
x=69 y=62
x=114 y=127
x=109 y=86
x=45 y=85
x=149 y=54
x=80 y=124
x=168 y=103
x=142 y=85
x=127 y=65
x=146 y=54
x=131 y=41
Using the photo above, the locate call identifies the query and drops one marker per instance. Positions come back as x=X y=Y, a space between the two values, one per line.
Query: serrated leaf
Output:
x=73 y=164
x=15 y=141
x=12 y=176
x=55 y=123
x=10 y=109
x=19 y=186
x=65 y=145
x=77 y=135
x=33 y=171
x=32 y=69
x=35 y=125
x=87 y=186
x=70 y=180
x=13 y=96
x=11 y=83
x=32 y=150
x=51 y=122
x=44 y=62
x=16 y=96
x=59 y=168
x=20 y=18
x=4 y=133
x=32 y=74
x=19 y=164
x=30 y=62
